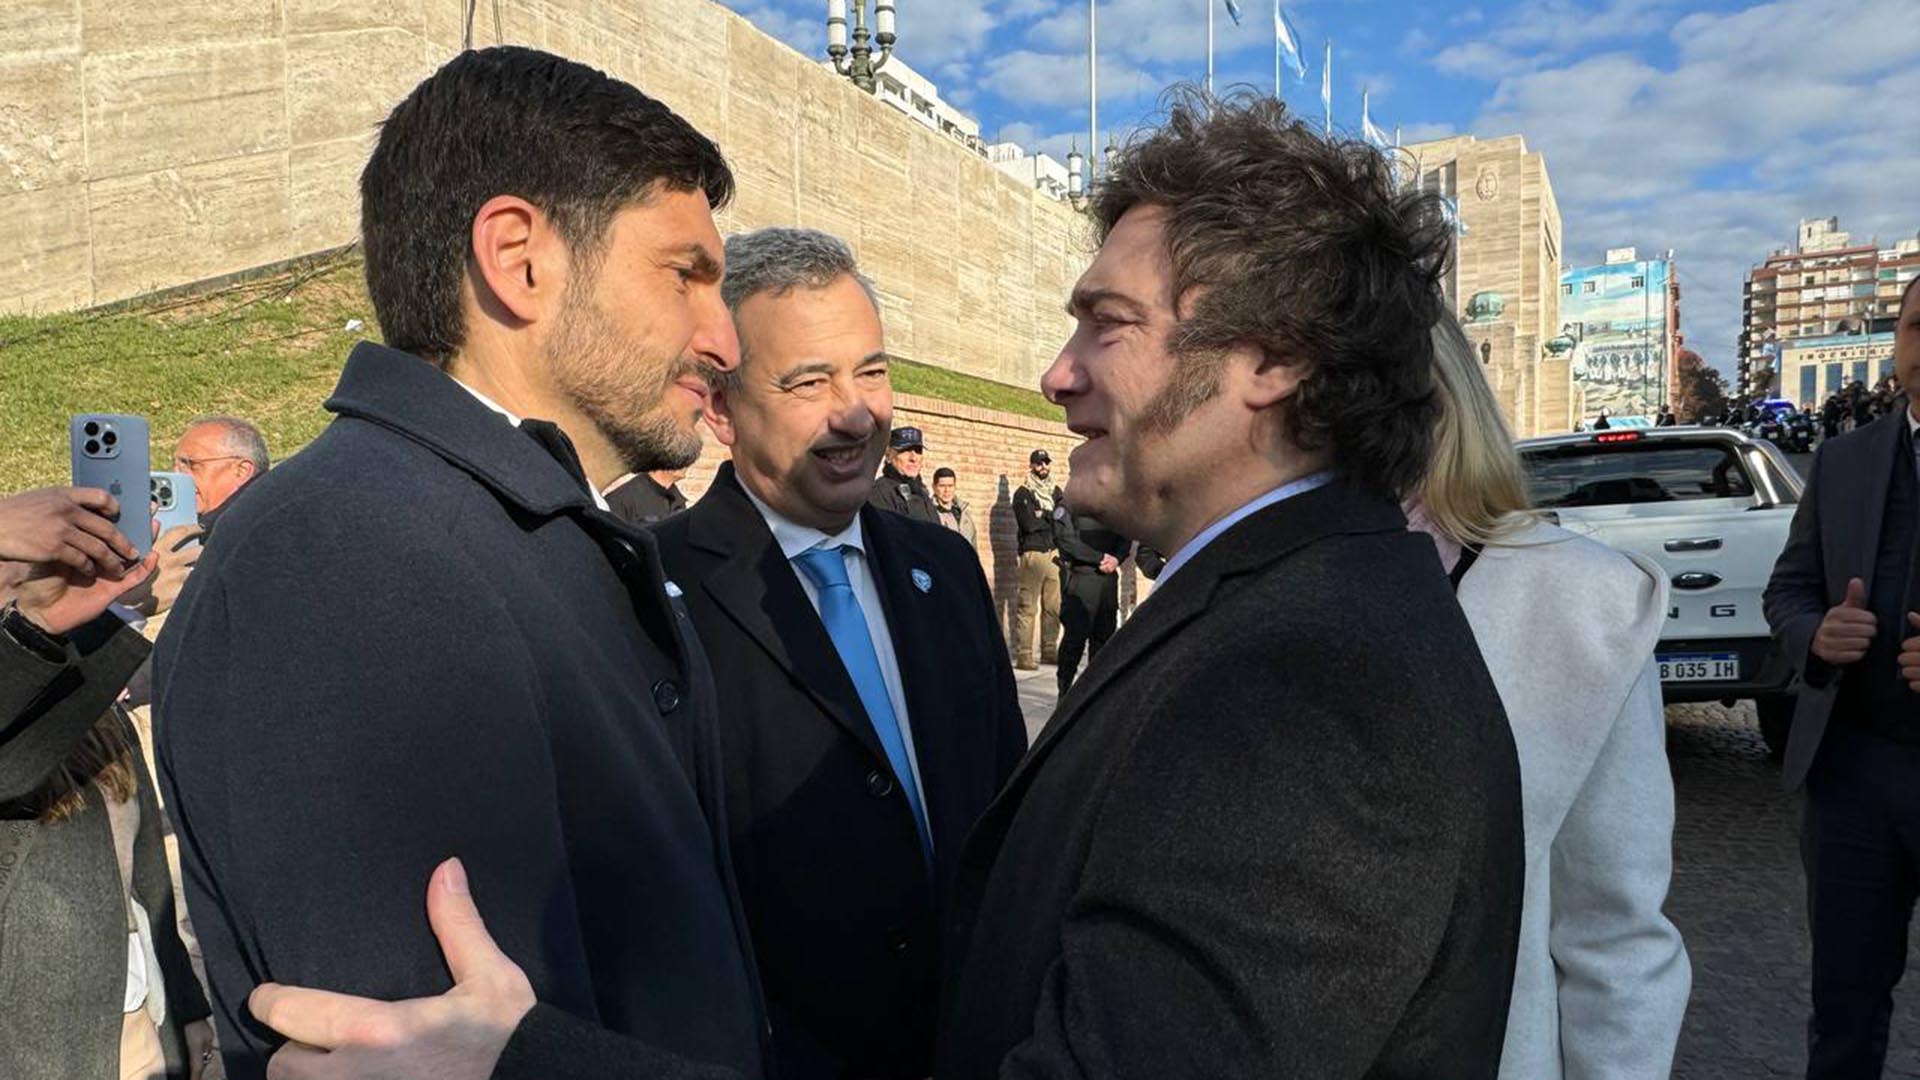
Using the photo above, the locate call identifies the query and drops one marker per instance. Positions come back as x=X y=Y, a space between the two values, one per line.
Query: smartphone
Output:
x=110 y=453
x=174 y=503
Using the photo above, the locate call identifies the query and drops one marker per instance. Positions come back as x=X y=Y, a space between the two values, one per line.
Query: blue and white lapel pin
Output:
x=922 y=580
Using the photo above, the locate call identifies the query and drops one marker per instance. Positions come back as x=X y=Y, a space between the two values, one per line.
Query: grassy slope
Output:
x=269 y=350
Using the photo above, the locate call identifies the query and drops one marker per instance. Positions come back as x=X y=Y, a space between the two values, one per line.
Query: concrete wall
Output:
x=146 y=144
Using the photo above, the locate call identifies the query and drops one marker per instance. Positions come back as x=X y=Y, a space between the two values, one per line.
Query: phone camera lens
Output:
x=93 y=446
x=91 y=429
x=109 y=438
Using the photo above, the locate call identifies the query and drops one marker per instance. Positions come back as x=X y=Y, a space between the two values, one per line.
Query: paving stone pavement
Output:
x=1739 y=900
x=1738 y=897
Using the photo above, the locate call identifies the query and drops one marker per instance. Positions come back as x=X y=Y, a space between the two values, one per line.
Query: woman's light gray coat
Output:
x=1568 y=628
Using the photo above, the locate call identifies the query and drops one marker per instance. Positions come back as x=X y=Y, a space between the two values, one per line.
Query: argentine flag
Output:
x=1368 y=129
x=1288 y=40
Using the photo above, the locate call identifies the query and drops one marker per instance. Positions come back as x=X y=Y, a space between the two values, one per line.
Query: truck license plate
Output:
x=1699 y=667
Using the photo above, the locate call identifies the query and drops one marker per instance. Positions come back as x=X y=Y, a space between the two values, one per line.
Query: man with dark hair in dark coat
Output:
x=1090 y=555
x=425 y=636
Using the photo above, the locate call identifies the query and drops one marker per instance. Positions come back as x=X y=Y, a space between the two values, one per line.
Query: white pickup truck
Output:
x=1711 y=506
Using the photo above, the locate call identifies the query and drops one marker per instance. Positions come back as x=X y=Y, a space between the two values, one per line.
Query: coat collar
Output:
x=1250 y=546
x=407 y=395
x=404 y=393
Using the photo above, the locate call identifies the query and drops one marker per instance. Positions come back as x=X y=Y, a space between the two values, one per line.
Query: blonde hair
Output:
x=1475 y=491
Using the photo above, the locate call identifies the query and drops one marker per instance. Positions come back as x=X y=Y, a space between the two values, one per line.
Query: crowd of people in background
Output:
x=741 y=787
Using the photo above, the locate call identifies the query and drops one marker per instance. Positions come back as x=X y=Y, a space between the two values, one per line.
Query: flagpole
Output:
x=1276 y=50
x=1326 y=87
x=1093 y=90
x=1209 y=4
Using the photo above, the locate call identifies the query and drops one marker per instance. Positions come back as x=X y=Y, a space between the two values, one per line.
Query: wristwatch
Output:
x=45 y=644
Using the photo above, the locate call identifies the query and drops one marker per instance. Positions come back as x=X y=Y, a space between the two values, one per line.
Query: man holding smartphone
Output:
x=450 y=645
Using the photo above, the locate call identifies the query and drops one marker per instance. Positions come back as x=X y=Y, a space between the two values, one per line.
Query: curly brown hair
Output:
x=1304 y=247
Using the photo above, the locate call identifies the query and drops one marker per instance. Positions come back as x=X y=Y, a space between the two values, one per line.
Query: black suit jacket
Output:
x=1083 y=540
x=1835 y=536
x=643 y=501
x=418 y=638
x=1275 y=831
x=892 y=491
x=824 y=842
x=48 y=703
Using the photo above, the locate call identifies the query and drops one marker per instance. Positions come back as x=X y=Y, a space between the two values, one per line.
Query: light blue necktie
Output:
x=846 y=624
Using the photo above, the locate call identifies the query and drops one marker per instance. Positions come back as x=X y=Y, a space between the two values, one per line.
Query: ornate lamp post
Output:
x=1077 y=178
x=862 y=66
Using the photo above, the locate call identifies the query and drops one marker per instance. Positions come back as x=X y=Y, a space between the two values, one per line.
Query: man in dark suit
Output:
x=1839 y=604
x=425 y=636
x=852 y=779
x=644 y=498
x=1090 y=555
x=1275 y=829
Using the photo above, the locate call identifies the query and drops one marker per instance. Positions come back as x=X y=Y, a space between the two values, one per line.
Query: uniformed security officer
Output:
x=1089 y=555
x=1034 y=502
x=899 y=487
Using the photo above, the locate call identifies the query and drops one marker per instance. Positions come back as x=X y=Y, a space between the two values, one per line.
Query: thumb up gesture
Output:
x=1847 y=630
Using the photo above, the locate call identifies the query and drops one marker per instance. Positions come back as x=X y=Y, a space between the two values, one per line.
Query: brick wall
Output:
x=987 y=450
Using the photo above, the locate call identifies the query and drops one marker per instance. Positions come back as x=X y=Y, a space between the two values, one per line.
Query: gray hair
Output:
x=781 y=260
x=237 y=437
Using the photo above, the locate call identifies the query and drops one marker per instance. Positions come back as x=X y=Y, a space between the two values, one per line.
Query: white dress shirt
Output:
x=483 y=399
x=1212 y=532
x=794 y=539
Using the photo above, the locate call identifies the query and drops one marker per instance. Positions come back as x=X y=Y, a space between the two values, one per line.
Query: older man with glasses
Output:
x=223 y=454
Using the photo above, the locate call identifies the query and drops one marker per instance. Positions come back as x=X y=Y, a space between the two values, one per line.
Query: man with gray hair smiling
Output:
x=867 y=707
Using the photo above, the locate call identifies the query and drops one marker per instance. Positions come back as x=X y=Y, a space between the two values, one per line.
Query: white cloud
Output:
x=807 y=35
x=933 y=32
x=1540 y=33
x=1425 y=132
x=1030 y=138
x=1059 y=80
x=1153 y=33
x=1477 y=59
x=1718 y=155
x=1379 y=84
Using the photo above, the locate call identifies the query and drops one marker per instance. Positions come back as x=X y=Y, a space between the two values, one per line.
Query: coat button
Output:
x=666 y=696
x=879 y=784
x=898 y=943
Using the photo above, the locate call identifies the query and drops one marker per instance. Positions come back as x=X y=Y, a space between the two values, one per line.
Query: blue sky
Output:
x=1706 y=126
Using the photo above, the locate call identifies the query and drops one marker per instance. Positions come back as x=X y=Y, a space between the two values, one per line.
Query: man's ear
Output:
x=720 y=417
x=1266 y=380
x=520 y=262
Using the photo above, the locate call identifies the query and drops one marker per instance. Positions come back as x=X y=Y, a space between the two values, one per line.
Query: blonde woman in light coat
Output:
x=1567 y=627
